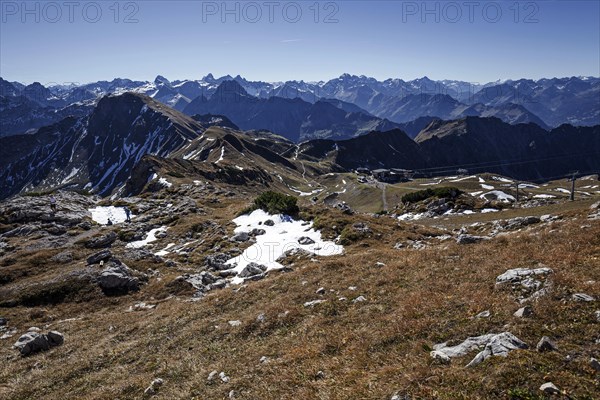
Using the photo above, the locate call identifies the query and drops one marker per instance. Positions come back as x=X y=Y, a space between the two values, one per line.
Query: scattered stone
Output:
x=101 y=241
x=217 y=261
x=320 y=375
x=224 y=378
x=549 y=388
x=359 y=299
x=521 y=222
x=141 y=306
x=257 y=232
x=3 y=321
x=264 y=360
x=398 y=246
x=33 y=342
x=546 y=344
x=261 y=318
x=100 y=256
x=494 y=345
x=235 y=323
x=240 y=237
x=252 y=269
x=484 y=314
x=34 y=329
x=524 y=312
x=583 y=297
x=63 y=258
x=320 y=290
x=154 y=387
x=595 y=364
x=212 y=376
x=379 y=264
x=269 y=222
x=232 y=394
x=527 y=282
x=469 y=239
x=597 y=315
x=8 y=334
x=305 y=240
x=314 y=303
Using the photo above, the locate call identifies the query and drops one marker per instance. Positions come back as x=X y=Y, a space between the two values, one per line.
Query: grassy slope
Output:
x=367 y=350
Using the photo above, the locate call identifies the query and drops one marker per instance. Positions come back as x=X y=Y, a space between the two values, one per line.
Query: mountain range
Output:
x=128 y=140
x=545 y=102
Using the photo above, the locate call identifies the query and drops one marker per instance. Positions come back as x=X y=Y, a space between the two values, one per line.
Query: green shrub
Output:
x=447 y=192
x=275 y=203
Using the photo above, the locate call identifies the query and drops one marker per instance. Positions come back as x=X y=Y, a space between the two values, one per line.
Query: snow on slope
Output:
x=278 y=239
x=102 y=214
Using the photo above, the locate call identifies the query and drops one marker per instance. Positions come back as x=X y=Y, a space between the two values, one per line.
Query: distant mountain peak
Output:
x=230 y=88
x=162 y=80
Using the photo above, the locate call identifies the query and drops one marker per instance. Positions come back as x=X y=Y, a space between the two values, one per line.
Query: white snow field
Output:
x=102 y=214
x=277 y=240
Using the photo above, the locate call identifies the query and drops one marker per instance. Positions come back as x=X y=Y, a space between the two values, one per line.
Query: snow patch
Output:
x=101 y=215
x=277 y=240
x=151 y=237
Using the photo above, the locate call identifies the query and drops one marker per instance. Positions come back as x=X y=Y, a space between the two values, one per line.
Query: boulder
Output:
x=469 y=239
x=521 y=222
x=117 y=278
x=252 y=269
x=305 y=240
x=101 y=241
x=549 y=388
x=595 y=364
x=240 y=237
x=100 y=256
x=154 y=387
x=546 y=344
x=530 y=284
x=33 y=342
x=493 y=345
x=217 y=261
x=524 y=312
x=583 y=297
x=63 y=258
x=257 y=232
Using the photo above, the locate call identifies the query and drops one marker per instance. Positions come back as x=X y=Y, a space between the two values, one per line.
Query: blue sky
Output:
x=401 y=39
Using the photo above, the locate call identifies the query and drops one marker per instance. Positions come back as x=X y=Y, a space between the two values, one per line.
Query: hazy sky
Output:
x=476 y=41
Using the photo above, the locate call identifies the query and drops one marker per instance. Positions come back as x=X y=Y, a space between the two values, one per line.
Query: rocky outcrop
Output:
x=117 y=278
x=33 y=342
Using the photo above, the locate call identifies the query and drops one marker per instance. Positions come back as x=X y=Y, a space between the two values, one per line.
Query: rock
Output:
x=101 y=241
x=212 y=376
x=549 y=388
x=231 y=394
x=521 y=222
x=595 y=364
x=257 y=232
x=493 y=345
x=154 y=387
x=141 y=306
x=224 y=378
x=379 y=264
x=100 y=256
x=269 y=222
x=240 y=237
x=527 y=282
x=63 y=258
x=117 y=278
x=345 y=208
x=545 y=344
x=217 y=261
x=320 y=375
x=314 y=303
x=583 y=297
x=398 y=246
x=359 y=299
x=235 y=323
x=524 y=312
x=264 y=360
x=252 y=269
x=361 y=227
x=304 y=240
x=597 y=313
x=3 y=321
x=469 y=239
x=161 y=234
x=34 y=329
x=484 y=314
x=320 y=290
x=33 y=342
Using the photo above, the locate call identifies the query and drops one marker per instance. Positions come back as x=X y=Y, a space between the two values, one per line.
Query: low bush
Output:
x=275 y=203
x=446 y=192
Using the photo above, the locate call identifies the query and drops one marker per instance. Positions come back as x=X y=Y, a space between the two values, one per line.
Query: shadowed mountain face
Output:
x=95 y=152
x=294 y=119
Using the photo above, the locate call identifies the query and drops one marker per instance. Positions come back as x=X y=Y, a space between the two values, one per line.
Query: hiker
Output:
x=127 y=214
x=53 y=203
x=109 y=222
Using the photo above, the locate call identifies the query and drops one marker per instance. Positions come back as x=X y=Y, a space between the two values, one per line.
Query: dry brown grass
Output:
x=367 y=350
